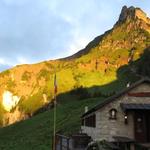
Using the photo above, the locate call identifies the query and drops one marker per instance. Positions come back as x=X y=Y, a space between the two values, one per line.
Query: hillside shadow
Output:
x=68 y=117
x=126 y=74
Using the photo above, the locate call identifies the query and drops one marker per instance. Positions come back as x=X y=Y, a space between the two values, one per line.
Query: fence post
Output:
x=68 y=144
x=61 y=143
x=52 y=142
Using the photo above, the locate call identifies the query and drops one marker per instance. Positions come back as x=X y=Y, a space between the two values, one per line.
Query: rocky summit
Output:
x=136 y=14
x=25 y=89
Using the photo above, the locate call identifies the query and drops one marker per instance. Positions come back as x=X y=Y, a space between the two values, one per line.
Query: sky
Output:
x=32 y=31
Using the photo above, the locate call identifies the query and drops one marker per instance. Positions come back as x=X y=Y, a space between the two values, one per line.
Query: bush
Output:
x=44 y=73
x=31 y=104
x=81 y=92
x=100 y=145
x=26 y=76
x=11 y=84
x=5 y=73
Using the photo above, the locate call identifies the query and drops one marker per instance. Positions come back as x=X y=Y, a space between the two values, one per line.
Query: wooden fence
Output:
x=62 y=142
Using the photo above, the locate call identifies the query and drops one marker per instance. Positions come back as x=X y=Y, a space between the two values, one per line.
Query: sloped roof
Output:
x=114 y=97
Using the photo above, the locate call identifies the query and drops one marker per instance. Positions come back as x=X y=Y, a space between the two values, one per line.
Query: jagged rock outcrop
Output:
x=127 y=13
x=135 y=14
x=14 y=116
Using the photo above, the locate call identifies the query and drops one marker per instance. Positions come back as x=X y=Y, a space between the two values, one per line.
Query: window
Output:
x=113 y=114
x=90 y=121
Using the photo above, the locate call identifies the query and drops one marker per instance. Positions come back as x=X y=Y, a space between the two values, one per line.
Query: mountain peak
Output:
x=133 y=13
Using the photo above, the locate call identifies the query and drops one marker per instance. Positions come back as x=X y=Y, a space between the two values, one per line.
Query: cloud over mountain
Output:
x=36 y=30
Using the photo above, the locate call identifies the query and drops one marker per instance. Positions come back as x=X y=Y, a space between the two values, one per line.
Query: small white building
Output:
x=126 y=115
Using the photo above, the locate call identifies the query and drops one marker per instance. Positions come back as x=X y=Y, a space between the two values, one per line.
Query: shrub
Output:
x=11 y=84
x=81 y=92
x=26 y=76
x=5 y=73
x=32 y=103
x=44 y=73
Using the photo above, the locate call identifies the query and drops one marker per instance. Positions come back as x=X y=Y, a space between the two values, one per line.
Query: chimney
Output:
x=128 y=85
x=86 y=109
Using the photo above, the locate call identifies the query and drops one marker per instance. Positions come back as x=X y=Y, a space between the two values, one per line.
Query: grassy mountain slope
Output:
x=94 y=66
x=36 y=133
x=102 y=68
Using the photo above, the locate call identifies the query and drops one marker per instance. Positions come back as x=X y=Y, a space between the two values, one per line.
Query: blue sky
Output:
x=36 y=30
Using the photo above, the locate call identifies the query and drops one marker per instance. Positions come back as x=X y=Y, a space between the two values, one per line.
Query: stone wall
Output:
x=107 y=128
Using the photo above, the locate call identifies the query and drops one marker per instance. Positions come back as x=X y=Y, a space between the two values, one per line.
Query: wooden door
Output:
x=140 y=123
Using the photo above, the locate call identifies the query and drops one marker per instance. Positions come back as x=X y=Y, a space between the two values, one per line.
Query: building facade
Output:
x=126 y=114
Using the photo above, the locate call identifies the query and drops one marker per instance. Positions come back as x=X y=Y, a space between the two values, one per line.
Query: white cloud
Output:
x=2 y=61
x=5 y=62
x=37 y=30
x=8 y=63
x=22 y=60
x=78 y=44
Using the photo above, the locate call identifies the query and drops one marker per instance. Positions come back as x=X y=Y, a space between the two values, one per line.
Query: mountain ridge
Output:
x=95 y=65
x=134 y=13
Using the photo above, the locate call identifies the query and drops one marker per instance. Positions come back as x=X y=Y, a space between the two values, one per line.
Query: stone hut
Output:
x=126 y=115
